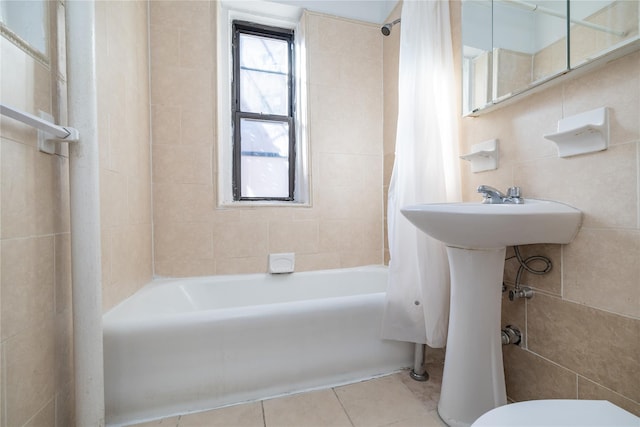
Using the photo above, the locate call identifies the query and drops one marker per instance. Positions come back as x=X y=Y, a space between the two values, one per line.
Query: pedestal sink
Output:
x=476 y=236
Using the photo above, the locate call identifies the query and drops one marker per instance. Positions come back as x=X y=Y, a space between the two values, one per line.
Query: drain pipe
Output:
x=84 y=169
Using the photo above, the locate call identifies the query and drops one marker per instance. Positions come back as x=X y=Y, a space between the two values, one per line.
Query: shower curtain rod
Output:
x=63 y=133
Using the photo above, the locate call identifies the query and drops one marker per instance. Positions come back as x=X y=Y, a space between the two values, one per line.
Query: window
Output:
x=264 y=142
x=280 y=118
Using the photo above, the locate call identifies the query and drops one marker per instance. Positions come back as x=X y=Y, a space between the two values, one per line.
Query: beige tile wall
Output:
x=36 y=383
x=583 y=325
x=124 y=137
x=343 y=227
x=36 y=379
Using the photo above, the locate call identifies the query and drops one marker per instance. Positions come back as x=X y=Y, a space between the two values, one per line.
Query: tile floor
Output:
x=394 y=400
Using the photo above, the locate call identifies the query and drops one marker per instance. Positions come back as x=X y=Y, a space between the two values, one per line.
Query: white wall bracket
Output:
x=583 y=133
x=483 y=156
x=46 y=140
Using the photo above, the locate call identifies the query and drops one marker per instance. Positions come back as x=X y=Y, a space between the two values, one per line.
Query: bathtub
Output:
x=185 y=345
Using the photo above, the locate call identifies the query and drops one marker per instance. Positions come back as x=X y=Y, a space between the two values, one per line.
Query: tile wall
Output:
x=582 y=328
x=36 y=385
x=343 y=228
x=124 y=136
x=35 y=270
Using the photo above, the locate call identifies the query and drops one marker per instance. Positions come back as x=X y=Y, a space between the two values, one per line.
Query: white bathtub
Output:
x=184 y=345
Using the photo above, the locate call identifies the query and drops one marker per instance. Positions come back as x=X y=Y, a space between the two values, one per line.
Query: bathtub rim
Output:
x=109 y=317
x=220 y=314
x=325 y=271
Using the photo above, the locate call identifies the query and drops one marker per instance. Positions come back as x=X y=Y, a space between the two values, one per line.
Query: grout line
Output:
x=638 y=184
x=3 y=394
x=150 y=145
x=333 y=389
x=607 y=388
x=264 y=416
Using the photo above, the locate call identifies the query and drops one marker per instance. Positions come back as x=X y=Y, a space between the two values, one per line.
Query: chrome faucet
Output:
x=494 y=196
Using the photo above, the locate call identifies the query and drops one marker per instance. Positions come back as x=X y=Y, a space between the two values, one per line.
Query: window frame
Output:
x=277 y=15
x=242 y=27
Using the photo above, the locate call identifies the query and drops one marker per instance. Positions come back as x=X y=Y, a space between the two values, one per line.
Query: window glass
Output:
x=264 y=70
x=264 y=158
x=264 y=137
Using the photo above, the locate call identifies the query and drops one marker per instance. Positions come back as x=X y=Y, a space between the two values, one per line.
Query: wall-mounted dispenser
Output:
x=583 y=133
x=483 y=156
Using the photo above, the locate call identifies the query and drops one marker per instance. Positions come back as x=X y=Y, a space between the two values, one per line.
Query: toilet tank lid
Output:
x=567 y=413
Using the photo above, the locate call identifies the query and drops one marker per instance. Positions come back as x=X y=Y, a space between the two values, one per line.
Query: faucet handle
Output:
x=513 y=195
x=513 y=192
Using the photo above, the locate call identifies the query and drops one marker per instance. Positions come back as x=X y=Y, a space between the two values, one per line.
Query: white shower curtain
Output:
x=425 y=171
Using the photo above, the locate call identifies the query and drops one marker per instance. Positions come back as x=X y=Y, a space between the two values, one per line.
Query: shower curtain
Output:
x=425 y=171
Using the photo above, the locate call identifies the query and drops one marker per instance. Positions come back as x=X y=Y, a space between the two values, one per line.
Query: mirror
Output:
x=511 y=46
x=600 y=27
x=26 y=23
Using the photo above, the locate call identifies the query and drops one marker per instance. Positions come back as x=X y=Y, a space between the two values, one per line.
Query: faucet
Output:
x=494 y=196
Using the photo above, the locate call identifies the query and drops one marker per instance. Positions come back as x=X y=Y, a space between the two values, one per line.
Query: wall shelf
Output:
x=483 y=156
x=583 y=133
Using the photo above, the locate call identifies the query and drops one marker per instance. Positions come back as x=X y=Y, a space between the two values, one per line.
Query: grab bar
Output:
x=62 y=133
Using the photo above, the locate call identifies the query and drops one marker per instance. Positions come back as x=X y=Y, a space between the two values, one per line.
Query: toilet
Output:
x=565 y=413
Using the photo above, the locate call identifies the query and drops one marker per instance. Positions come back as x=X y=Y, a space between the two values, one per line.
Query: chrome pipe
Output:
x=511 y=335
x=386 y=28
x=419 y=373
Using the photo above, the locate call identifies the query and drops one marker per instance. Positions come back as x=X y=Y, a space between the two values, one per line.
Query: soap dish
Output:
x=583 y=133
x=483 y=156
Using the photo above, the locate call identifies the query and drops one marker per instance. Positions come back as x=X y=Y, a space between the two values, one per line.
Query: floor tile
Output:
x=313 y=409
x=430 y=420
x=165 y=422
x=381 y=402
x=245 y=415
x=427 y=391
x=392 y=401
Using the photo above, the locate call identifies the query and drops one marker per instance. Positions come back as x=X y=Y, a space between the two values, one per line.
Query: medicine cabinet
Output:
x=513 y=46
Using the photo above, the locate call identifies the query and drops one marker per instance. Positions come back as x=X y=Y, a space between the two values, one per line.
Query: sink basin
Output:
x=478 y=225
x=476 y=236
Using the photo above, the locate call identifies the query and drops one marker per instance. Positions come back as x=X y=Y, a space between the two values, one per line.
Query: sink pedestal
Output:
x=473 y=378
